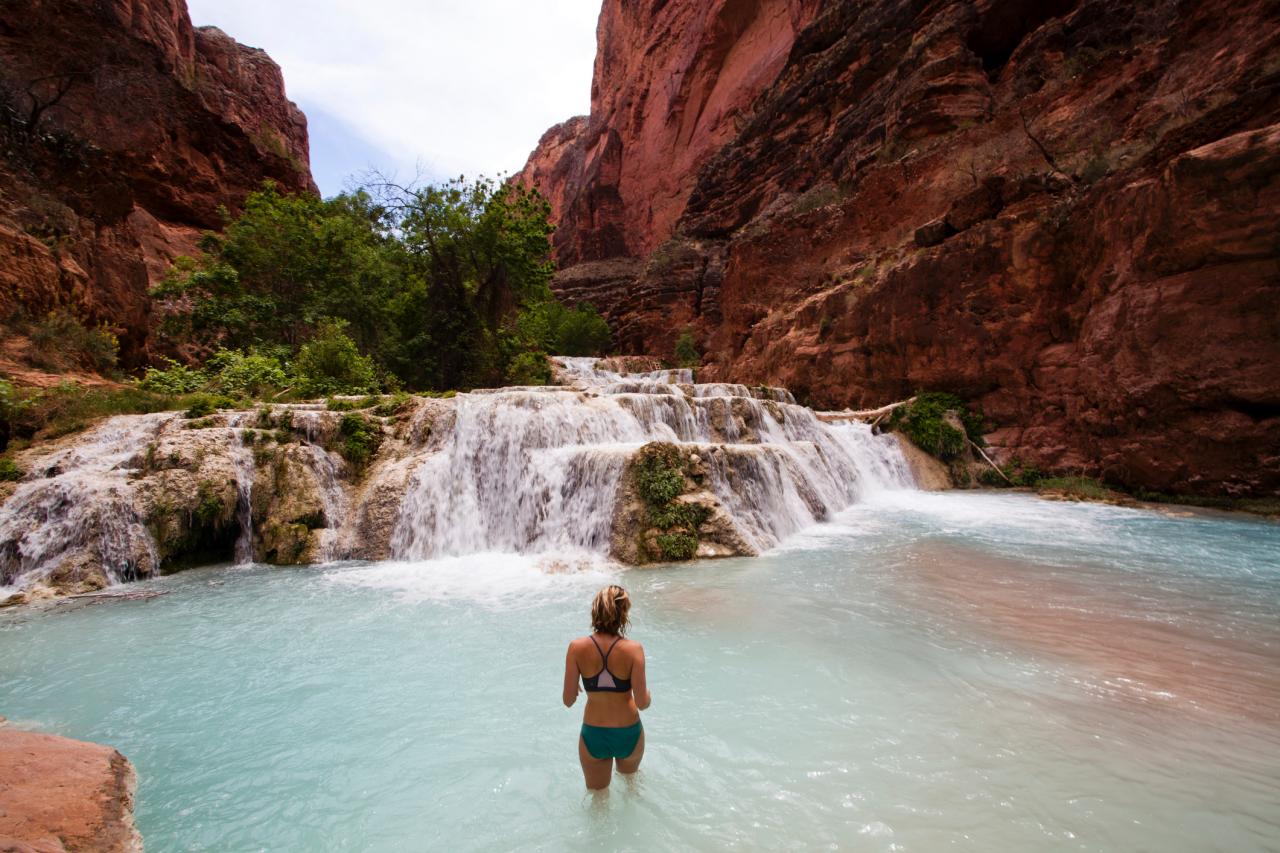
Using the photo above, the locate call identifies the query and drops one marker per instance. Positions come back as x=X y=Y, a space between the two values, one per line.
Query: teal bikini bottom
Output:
x=610 y=742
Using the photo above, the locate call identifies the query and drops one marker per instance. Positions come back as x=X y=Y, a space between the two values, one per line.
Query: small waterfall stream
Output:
x=535 y=470
x=80 y=500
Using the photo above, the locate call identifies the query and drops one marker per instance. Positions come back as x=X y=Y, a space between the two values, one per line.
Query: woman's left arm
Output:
x=570 y=678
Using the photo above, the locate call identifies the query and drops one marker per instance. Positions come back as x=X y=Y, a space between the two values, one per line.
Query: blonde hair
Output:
x=609 y=610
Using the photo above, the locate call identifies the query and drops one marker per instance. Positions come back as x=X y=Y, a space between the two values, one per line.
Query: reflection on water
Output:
x=965 y=672
x=1170 y=647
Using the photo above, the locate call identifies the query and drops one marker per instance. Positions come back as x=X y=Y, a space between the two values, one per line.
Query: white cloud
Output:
x=456 y=85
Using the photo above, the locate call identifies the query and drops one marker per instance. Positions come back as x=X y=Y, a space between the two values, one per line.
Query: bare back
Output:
x=626 y=662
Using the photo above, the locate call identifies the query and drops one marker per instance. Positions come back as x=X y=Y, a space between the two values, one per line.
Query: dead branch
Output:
x=988 y=459
x=1044 y=151
x=864 y=414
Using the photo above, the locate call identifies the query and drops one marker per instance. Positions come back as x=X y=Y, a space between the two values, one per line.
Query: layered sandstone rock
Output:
x=673 y=82
x=123 y=131
x=1063 y=211
x=59 y=795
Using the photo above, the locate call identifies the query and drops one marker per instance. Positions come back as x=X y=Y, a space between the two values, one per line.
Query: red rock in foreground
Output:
x=1063 y=211
x=123 y=130
x=64 y=795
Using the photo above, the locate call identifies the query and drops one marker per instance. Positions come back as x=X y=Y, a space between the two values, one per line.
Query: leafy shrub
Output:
x=242 y=375
x=174 y=379
x=394 y=406
x=529 y=368
x=924 y=422
x=203 y=405
x=659 y=475
x=679 y=514
x=678 y=546
x=360 y=439
x=331 y=363
x=686 y=353
x=9 y=471
x=61 y=340
x=338 y=404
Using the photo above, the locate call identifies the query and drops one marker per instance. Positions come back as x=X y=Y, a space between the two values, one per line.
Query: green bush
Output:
x=361 y=438
x=678 y=546
x=686 y=353
x=330 y=363
x=659 y=475
x=393 y=406
x=679 y=514
x=174 y=379
x=338 y=404
x=9 y=471
x=530 y=368
x=582 y=331
x=426 y=278
x=61 y=340
x=203 y=405
x=250 y=376
x=923 y=421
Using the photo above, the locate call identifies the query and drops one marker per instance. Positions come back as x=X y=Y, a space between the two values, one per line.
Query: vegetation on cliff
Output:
x=925 y=421
x=659 y=472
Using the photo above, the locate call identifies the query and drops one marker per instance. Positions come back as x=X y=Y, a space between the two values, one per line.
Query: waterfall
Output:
x=515 y=470
x=80 y=501
x=536 y=470
x=245 y=468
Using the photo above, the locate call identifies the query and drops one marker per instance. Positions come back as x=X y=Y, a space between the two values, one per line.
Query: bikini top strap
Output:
x=604 y=656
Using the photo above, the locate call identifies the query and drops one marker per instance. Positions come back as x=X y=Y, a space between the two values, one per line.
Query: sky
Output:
x=430 y=88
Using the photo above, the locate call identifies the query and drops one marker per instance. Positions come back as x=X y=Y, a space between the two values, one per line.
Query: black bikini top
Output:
x=605 y=681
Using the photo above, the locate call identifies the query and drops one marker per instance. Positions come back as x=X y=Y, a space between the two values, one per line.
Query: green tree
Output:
x=286 y=262
x=685 y=352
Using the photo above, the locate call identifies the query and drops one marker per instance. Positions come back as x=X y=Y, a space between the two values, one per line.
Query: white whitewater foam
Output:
x=536 y=470
x=497 y=581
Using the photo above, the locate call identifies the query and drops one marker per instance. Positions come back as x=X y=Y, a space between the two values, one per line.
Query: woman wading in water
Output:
x=616 y=690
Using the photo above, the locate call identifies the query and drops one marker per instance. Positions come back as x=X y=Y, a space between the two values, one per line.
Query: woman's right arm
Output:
x=639 y=682
x=570 y=694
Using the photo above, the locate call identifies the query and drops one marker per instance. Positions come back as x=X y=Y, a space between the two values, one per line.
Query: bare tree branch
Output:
x=1044 y=151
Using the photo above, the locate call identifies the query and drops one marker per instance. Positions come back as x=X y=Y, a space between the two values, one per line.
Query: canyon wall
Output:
x=123 y=132
x=1062 y=210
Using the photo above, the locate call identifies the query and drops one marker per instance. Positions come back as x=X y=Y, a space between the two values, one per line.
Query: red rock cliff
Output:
x=673 y=81
x=1063 y=210
x=123 y=130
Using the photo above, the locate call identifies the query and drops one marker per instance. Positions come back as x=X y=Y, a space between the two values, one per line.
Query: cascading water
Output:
x=80 y=499
x=243 y=456
x=512 y=470
x=536 y=470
